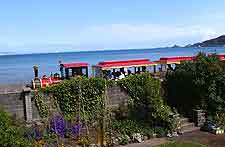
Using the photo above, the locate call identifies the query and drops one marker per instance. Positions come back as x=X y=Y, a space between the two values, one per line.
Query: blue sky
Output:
x=72 y=25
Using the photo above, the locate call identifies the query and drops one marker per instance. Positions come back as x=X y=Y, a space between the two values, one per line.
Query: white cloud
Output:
x=110 y=35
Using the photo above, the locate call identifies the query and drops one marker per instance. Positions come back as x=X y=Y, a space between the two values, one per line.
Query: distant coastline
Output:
x=101 y=50
x=211 y=43
x=97 y=50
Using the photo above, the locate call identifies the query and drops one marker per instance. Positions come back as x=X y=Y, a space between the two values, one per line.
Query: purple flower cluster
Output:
x=58 y=125
x=34 y=133
x=76 y=128
x=37 y=134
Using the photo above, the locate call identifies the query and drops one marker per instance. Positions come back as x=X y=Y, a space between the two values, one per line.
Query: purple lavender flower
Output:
x=58 y=125
x=76 y=128
x=37 y=134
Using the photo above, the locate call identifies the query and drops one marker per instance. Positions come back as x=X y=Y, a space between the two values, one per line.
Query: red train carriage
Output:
x=168 y=62
x=221 y=57
x=67 y=70
x=73 y=69
x=114 y=69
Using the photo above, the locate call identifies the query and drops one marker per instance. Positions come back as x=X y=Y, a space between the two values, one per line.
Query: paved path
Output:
x=204 y=138
x=151 y=142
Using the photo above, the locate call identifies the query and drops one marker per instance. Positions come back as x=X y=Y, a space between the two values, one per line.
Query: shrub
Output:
x=126 y=127
x=160 y=132
x=123 y=139
x=219 y=119
x=12 y=134
x=145 y=101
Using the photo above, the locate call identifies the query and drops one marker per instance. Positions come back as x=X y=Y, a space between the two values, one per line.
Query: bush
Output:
x=126 y=127
x=145 y=101
x=12 y=134
x=160 y=132
x=219 y=119
x=123 y=139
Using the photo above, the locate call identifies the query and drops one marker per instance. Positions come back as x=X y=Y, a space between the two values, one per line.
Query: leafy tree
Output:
x=197 y=84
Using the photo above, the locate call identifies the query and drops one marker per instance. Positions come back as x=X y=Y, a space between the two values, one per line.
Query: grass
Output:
x=179 y=144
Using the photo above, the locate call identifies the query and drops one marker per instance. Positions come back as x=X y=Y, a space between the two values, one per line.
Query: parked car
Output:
x=212 y=127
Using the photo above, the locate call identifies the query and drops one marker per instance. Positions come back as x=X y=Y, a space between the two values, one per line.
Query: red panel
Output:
x=55 y=80
x=71 y=65
x=47 y=81
x=177 y=59
x=221 y=56
x=120 y=63
x=182 y=58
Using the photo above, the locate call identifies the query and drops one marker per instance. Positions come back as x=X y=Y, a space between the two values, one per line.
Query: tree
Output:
x=197 y=84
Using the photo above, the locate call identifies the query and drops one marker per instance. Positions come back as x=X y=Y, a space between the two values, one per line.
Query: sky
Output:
x=31 y=26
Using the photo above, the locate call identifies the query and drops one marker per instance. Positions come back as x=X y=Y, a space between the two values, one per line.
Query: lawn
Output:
x=178 y=144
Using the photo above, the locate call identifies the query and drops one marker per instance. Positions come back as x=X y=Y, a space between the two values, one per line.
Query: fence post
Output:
x=199 y=117
x=27 y=103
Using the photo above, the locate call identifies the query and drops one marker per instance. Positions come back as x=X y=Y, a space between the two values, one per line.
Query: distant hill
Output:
x=215 y=42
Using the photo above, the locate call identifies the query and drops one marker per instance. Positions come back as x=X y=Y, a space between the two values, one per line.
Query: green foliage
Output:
x=145 y=111
x=145 y=102
x=41 y=105
x=160 y=132
x=126 y=127
x=197 y=84
x=129 y=127
x=123 y=139
x=85 y=97
x=219 y=119
x=12 y=135
x=81 y=95
x=85 y=141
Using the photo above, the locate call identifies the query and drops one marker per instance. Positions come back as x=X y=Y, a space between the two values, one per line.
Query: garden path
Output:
x=205 y=138
x=151 y=142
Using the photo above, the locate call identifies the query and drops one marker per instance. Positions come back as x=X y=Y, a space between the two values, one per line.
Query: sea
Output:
x=18 y=69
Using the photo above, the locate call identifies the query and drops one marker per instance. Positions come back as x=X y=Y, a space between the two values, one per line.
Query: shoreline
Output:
x=11 y=88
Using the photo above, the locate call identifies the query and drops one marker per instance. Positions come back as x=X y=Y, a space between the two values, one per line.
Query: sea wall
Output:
x=13 y=103
x=21 y=105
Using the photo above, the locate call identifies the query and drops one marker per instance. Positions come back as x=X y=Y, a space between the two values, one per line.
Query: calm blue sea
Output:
x=18 y=68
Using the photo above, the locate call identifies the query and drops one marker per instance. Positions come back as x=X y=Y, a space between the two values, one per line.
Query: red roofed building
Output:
x=72 y=69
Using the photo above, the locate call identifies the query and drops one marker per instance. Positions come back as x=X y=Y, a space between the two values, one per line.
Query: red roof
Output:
x=221 y=56
x=71 y=65
x=176 y=59
x=125 y=63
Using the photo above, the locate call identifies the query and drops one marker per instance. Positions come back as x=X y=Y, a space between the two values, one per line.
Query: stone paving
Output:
x=204 y=138
x=148 y=143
